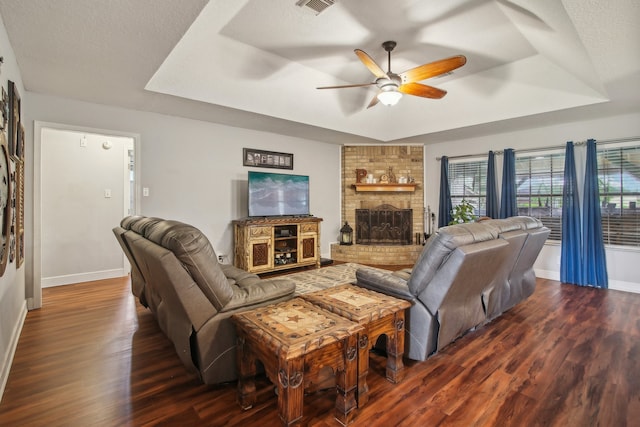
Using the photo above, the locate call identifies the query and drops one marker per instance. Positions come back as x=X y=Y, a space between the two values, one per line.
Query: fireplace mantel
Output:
x=393 y=187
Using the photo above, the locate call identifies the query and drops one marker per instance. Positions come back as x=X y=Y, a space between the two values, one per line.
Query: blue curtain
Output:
x=570 y=249
x=445 y=206
x=509 y=203
x=593 y=254
x=493 y=210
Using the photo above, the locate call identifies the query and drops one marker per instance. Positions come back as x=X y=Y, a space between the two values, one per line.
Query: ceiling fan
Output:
x=392 y=86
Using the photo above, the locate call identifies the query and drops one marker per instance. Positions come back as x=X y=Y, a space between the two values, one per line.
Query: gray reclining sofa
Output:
x=176 y=274
x=466 y=275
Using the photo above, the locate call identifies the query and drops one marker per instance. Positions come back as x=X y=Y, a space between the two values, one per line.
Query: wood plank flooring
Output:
x=568 y=356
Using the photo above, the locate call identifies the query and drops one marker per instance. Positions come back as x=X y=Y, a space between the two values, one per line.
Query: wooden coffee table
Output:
x=294 y=340
x=378 y=314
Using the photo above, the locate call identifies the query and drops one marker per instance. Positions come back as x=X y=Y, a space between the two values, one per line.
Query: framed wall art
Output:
x=14 y=118
x=4 y=109
x=19 y=220
x=266 y=159
x=6 y=221
x=12 y=201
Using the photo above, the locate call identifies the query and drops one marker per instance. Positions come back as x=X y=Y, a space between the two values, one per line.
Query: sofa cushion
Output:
x=382 y=281
x=195 y=253
x=235 y=274
x=254 y=291
x=512 y=223
x=440 y=245
x=140 y=224
x=128 y=221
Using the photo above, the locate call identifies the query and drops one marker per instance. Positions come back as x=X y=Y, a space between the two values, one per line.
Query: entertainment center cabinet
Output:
x=268 y=244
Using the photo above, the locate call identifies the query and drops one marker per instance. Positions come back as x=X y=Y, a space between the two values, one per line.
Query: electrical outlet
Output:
x=221 y=258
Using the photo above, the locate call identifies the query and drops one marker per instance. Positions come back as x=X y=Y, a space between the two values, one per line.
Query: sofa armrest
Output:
x=251 y=292
x=384 y=282
x=235 y=273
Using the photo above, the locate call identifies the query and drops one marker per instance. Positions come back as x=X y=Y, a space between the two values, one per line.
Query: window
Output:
x=539 y=181
x=619 y=186
x=468 y=181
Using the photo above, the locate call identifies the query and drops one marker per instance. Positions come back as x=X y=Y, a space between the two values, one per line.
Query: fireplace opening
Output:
x=384 y=225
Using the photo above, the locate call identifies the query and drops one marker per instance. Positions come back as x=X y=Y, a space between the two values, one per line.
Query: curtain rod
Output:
x=555 y=147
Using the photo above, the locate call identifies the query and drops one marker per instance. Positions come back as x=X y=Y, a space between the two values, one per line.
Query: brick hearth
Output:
x=376 y=254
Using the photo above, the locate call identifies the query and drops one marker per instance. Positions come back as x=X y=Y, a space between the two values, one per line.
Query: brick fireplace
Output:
x=386 y=219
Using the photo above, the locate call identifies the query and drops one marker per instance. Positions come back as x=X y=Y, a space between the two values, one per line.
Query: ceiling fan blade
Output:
x=343 y=86
x=432 y=69
x=418 y=89
x=371 y=64
x=374 y=101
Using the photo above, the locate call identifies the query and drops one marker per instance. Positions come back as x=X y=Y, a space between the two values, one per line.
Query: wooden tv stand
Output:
x=276 y=243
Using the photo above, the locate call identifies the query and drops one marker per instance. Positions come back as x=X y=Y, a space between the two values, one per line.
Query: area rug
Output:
x=325 y=277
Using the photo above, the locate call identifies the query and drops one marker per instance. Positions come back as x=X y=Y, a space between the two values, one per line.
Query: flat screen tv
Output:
x=278 y=194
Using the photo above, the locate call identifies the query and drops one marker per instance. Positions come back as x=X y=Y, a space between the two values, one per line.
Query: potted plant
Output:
x=462 y=212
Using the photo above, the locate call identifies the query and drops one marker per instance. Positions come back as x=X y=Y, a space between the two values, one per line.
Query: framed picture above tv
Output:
x=266 y=159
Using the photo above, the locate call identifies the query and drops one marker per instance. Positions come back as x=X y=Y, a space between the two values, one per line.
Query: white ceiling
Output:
x=256 y=63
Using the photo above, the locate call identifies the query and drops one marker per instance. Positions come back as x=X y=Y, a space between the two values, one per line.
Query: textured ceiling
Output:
x=256 y=64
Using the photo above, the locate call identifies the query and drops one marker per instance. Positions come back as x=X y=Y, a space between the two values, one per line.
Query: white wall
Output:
x=77 y=215
x=621 y=262
x=194 y=170
x=13 y=308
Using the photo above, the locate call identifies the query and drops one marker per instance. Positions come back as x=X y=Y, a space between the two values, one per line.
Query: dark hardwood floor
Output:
x=567 y=356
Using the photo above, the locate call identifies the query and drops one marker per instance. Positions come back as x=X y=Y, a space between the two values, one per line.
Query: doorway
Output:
x=86 y=185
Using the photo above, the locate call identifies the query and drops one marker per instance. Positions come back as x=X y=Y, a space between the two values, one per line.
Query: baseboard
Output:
x=70 y=279
x=7 y=359
x=616 y=285
x=619 y=285
x=548 y=274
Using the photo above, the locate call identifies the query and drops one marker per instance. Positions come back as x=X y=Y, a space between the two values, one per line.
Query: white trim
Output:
x=619 y=285
x=70 y=279
x=7 y=360
x=616 y=285
x=38 y=126
x=548 y=274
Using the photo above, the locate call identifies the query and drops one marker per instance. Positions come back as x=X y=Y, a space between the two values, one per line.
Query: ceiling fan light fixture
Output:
x=389 y=95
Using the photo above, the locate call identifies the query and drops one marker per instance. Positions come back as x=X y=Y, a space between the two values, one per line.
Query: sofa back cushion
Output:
x=454 y=294
x=139 y=224
x=128 y=221
x=192 y=248
x=439 y=247
x=522 y=279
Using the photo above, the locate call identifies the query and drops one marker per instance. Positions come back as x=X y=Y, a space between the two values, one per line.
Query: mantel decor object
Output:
x=360 y=175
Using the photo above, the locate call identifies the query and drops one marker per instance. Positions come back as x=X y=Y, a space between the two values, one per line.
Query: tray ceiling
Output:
x=257 y=64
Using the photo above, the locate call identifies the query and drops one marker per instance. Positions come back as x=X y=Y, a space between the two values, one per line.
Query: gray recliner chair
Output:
x=192 y=295
x=462 y=271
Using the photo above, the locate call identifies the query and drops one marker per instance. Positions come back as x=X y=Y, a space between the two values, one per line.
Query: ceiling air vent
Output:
x=316 y=6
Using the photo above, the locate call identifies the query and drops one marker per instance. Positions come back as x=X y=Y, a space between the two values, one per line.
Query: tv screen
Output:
x=278 y=194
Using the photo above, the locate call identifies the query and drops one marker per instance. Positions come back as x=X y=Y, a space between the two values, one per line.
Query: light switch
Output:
x=145 y=191
x=107 y=193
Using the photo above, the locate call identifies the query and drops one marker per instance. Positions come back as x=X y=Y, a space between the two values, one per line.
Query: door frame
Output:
x=35 y=301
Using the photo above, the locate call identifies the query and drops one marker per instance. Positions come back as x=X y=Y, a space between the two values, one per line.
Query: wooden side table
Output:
x=378 y=314
x=294 y=340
